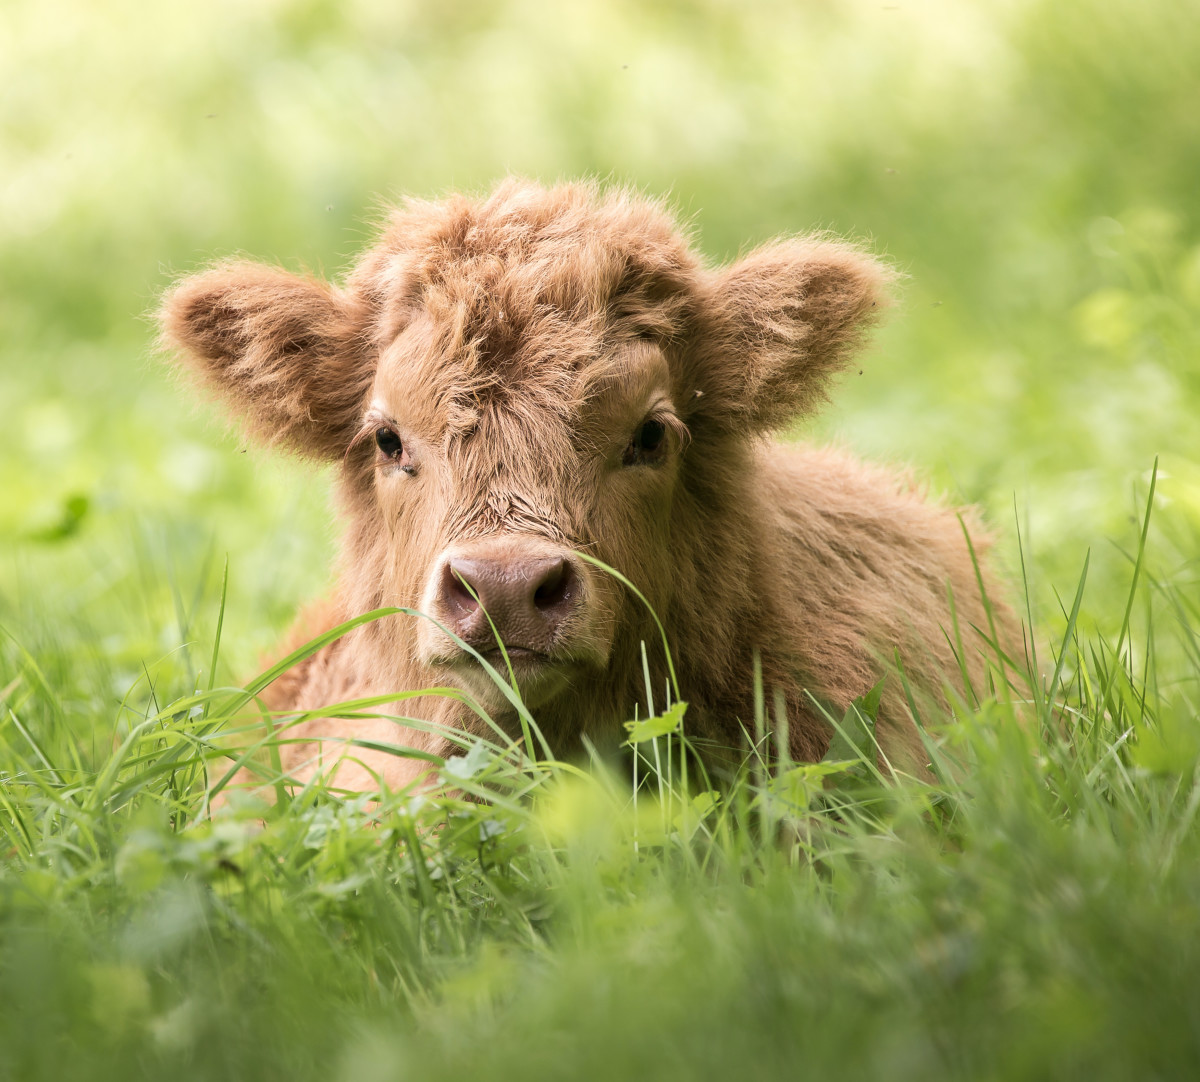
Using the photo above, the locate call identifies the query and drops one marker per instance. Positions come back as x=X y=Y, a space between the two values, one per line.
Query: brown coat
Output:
x=513 y=381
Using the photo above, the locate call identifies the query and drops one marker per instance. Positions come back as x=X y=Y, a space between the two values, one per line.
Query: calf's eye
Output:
x=649 y=444
x=391 y=446
x=388 y=442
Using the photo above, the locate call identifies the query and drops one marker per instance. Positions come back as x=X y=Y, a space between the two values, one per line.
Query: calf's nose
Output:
x=527 y=598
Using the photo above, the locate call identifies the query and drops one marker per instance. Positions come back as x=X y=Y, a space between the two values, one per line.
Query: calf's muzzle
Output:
x=528 y=594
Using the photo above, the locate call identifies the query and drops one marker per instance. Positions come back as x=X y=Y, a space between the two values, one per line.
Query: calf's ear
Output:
x=779 y=323
x=288 y=353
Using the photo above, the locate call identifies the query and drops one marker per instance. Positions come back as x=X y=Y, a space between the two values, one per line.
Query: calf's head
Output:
x=510 y=382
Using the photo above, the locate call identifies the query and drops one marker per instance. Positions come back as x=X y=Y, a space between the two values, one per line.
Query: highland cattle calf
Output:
x=507 y=383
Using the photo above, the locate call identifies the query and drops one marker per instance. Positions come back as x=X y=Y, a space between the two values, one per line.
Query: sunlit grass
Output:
x=1027 y=910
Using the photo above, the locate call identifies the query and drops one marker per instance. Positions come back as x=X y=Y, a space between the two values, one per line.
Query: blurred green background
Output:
x=1033 y=168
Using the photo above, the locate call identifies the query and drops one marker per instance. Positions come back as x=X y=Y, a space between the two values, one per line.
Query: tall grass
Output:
x=1026 y=911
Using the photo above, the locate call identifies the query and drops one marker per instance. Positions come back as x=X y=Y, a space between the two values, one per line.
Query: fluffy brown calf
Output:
x=511 y=381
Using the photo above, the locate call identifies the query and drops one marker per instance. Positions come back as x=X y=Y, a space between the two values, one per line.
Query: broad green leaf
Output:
x=467 y=766
x=854 y=739
x=869 y=703
x=668 y=722
x=697 y=810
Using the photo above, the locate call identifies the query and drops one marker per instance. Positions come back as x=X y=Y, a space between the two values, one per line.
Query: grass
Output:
x=1030 y=913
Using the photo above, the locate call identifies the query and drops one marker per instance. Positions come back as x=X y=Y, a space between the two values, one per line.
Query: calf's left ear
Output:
x=287 y=353
x=779 y=323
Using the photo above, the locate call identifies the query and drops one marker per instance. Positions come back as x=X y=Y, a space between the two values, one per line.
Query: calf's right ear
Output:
x=288 y=353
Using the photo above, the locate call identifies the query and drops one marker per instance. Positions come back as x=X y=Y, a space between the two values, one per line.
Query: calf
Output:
x=511 y=383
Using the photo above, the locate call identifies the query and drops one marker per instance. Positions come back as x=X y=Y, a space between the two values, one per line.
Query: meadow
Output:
x=1033 y=911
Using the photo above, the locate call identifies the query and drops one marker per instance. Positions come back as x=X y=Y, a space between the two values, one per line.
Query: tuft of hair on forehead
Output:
x=512 y=298
x=527 y=264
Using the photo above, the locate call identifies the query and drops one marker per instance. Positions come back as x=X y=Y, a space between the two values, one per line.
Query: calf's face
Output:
x=513 y=383
x=479 y=500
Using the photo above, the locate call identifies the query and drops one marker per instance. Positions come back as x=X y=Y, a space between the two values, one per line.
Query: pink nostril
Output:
x=457 y=586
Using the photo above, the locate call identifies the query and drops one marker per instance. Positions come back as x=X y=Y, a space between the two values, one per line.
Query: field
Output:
x=1033 y=912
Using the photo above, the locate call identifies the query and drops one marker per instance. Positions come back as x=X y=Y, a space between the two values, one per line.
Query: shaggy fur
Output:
x=515 y=345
